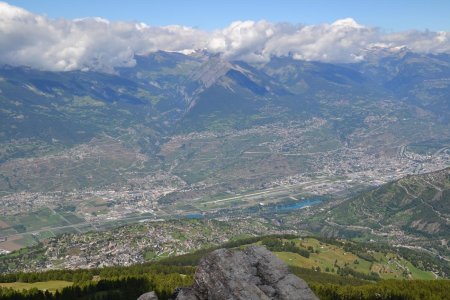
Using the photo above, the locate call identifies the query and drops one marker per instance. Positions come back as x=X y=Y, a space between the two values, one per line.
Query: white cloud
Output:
x=90 y=43
x=96 y=43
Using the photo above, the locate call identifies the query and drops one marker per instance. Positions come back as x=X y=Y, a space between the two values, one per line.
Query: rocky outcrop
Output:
x=148 y=296
x=252 y=274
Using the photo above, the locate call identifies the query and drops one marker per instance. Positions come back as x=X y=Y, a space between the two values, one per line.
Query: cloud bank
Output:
x=98 y=44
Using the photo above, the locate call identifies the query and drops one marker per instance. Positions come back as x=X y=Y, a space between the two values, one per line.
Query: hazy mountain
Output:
x=168 y=93
x=419 y=79
x=163 y=82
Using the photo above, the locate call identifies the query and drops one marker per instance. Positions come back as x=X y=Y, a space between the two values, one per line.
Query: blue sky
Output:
x=390 y=15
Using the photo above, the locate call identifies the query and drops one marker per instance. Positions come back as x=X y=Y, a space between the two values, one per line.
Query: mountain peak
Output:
x=347 y=22
x=211 y=70
x=379 y=51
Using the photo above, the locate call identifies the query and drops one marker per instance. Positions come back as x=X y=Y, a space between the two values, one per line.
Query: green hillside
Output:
x=417 y=204
x=335 y=269
x=334 y=259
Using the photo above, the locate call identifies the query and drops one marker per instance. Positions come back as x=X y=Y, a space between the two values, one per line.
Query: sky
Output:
x=390 y=15
x=63 y=35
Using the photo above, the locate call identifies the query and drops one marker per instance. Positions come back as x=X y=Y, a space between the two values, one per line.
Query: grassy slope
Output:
x=388 y=266
x=414 y=203
x=51 y=286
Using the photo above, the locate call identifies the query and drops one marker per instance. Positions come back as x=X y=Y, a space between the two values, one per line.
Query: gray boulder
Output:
x=252 y=274
x=148 y=296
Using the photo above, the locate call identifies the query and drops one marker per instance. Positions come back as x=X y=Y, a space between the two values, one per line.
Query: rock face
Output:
x=254 y=273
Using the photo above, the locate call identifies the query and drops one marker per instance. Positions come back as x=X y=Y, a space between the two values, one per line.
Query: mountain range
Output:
x=167 y=94
x=198 y=134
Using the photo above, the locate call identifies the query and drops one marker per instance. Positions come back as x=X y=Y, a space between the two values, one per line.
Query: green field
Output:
x=329 y=258
x=51 y=286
